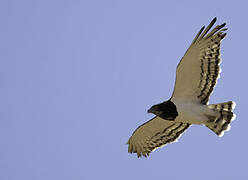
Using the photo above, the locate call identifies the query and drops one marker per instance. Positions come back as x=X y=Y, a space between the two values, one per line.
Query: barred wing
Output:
x=199 y=69
x=153 y=134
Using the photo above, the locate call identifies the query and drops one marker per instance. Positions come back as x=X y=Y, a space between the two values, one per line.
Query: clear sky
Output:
x=77 y=78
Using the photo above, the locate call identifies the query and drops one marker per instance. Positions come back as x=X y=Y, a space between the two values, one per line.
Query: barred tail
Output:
x=220 y=123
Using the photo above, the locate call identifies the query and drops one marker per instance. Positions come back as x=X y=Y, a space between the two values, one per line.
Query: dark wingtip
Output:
x=222 y=25
x=202 y=28
x=223 y=35
x=214 y=20
x=224 y=29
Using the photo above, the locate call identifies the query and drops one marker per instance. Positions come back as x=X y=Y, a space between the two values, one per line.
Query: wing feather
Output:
x=198 y=34
x=199 y=69
x=208 y=28
x=153 y=134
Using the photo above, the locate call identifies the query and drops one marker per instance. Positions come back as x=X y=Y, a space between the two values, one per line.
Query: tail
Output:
x=221 y=123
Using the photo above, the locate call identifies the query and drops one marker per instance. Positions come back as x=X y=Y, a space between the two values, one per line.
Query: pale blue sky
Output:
x=77 y=78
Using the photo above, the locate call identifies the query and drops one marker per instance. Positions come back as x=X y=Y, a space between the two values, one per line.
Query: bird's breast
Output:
x=189 y=111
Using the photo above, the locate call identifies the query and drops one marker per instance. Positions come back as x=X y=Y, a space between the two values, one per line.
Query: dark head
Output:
x=156 y=109
x=166 y=110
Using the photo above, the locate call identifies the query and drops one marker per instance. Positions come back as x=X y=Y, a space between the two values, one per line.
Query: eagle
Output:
x=196 y=76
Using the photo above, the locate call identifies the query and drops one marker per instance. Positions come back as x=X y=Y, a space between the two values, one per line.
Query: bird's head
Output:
x=156 y=109
x=166 y=110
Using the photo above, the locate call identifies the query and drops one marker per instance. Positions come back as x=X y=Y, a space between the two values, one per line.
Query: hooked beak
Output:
x=149 y=111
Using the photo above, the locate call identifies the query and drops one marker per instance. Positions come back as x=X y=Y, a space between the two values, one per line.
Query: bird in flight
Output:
x=196 y=77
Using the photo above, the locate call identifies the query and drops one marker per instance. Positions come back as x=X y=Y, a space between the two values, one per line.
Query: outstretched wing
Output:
x=199 y=69
x=153 y=134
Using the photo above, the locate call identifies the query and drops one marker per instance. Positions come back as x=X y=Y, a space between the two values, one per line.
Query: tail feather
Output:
x=221 y=123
